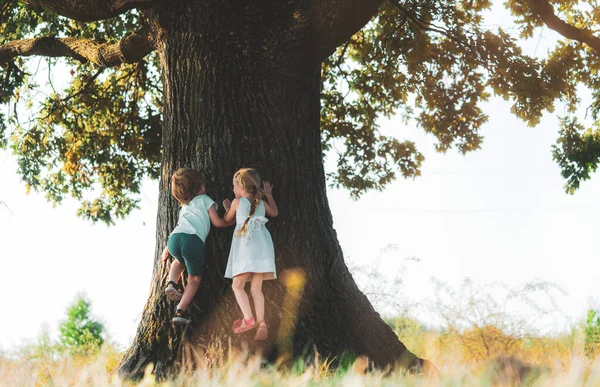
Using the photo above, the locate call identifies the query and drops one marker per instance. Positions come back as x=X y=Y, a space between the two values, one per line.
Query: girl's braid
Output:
x=257 y=195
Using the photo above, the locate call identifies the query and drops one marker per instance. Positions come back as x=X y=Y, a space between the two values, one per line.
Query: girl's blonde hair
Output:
x=185 y=184
x=252 y=183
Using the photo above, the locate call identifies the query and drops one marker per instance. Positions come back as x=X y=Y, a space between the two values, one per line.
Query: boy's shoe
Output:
x=182 y=317
x=172 y=292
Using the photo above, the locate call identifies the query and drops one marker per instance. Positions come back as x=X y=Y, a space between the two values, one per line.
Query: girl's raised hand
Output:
x=267 y=187
x=227 y=204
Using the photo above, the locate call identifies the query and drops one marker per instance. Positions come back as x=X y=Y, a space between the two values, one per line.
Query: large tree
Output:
x=222 y=84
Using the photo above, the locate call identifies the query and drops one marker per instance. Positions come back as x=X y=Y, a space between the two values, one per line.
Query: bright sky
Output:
x=499 y=214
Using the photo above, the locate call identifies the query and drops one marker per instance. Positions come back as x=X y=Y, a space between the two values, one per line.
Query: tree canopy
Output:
x=434 y=62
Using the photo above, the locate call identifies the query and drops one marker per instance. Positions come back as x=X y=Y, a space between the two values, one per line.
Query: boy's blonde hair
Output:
x=252 y=183
x=185 y=184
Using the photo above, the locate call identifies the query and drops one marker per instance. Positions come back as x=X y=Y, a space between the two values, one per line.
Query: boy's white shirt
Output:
x=194 y=218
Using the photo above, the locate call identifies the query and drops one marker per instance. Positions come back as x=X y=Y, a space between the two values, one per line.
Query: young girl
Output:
x=186 y=242
x=252 y=257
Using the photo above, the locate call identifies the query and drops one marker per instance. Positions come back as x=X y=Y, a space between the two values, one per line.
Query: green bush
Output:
x=81 y=333
x=592 y=335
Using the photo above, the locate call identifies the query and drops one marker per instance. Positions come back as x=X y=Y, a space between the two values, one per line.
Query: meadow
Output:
x=472 y=356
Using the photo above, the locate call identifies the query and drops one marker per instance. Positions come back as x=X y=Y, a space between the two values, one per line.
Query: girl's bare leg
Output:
x=238 y=286
x=257 y=295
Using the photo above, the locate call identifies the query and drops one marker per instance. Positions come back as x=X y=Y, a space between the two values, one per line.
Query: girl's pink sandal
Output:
x=244 y=325
x=262 y=332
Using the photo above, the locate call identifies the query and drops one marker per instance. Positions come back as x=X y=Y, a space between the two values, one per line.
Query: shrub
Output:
x=592 y=335
x=81 y=333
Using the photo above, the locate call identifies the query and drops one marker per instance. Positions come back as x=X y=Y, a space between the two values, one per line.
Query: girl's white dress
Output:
x=252 y=253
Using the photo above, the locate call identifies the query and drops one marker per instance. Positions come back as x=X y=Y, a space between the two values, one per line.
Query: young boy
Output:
x=186 y=242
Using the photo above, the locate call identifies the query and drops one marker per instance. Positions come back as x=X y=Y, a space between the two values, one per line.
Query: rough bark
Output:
x=232 y=100
x=130 y=49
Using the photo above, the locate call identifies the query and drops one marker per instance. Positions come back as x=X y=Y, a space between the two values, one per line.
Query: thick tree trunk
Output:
x=235 y=96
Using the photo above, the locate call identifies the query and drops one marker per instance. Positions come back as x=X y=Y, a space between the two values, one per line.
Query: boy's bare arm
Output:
x=216 y=220
x=165 y=254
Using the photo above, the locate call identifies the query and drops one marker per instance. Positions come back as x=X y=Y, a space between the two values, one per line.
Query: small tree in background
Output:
x=81 y=333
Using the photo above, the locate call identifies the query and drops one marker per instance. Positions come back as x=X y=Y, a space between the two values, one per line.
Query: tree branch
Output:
x=332 y=22
x=130 y=49
x=545 y=11
x=85 y=10
x=63 y=101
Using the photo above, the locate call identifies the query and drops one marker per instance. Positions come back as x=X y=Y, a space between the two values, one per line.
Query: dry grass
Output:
x=558 y=361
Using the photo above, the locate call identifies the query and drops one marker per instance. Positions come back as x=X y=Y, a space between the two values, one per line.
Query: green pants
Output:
x=188 y=249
